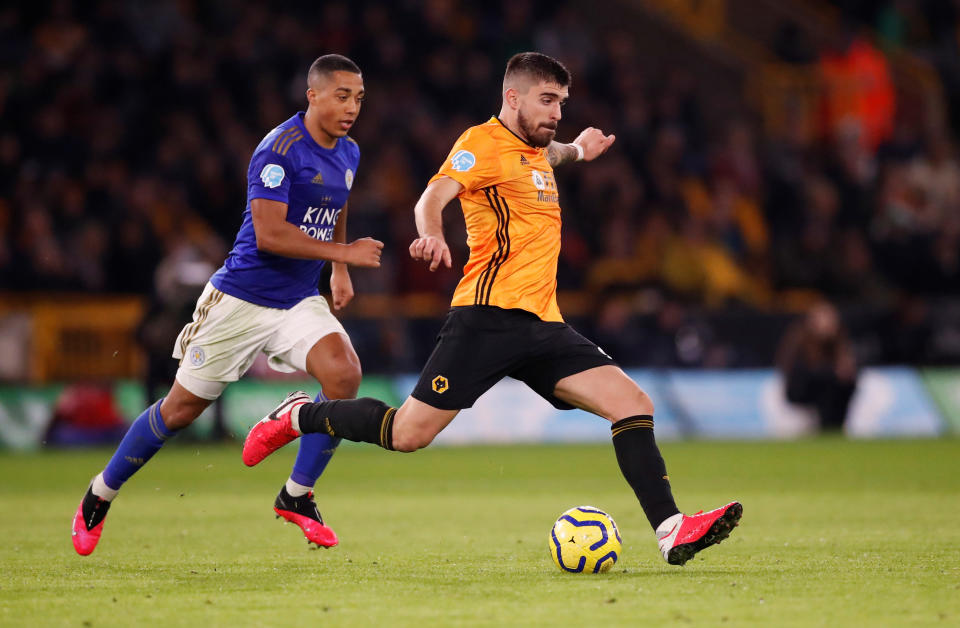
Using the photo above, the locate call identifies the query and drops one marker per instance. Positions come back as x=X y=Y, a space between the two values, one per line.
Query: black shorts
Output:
x=479 y=345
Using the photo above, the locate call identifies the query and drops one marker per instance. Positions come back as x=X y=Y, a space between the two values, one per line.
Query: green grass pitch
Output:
x=834 y=533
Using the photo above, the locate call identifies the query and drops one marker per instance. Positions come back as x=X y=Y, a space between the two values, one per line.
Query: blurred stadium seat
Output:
x=745 y=185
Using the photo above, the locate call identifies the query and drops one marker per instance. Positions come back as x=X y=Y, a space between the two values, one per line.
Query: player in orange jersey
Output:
x=504 y=319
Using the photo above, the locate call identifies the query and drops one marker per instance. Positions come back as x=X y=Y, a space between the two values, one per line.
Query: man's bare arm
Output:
x=559 y=154
x=341 y=287
x=592 y=142
x=431 y=245
x=340 y=234
x=275 y=235
x=428 y=211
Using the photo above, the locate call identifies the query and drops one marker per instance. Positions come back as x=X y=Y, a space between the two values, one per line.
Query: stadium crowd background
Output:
x=126 y=129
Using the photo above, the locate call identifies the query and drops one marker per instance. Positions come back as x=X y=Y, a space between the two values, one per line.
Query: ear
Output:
x=311 y=94
x=512 y=97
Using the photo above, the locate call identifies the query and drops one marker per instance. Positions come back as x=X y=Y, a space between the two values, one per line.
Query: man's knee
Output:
x=643 y=402
x=633 y=403
x=342 y=381
x=411 y=438
x=416 y=424
x=345 y=383
x=410 y=435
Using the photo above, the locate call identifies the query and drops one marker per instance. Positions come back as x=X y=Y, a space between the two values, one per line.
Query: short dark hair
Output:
x=328 y=64
x=539 y=67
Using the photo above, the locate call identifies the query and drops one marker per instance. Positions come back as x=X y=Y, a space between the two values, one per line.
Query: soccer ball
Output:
x=585 y=540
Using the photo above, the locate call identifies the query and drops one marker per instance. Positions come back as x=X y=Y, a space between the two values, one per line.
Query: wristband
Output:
x=579 y=151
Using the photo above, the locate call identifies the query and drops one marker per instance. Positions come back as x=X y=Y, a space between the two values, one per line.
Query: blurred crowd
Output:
x=928 y=28
x=126 y=129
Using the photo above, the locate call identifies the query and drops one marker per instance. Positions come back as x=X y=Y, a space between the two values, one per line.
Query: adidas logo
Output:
x=318 y=179
x=523 y=161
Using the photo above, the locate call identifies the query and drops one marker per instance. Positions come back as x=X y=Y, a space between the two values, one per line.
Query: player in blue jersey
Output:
x=265 y=298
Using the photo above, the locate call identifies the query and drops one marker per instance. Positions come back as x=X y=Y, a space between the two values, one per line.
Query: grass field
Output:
x=834 y=533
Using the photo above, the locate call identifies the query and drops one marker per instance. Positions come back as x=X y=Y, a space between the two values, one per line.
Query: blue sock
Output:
x=315 y=452
x=144 y=438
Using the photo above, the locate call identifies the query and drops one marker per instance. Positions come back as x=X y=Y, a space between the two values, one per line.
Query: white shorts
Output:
x=228 y=333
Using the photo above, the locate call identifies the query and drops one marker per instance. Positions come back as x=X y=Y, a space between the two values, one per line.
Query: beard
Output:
x=538 y=135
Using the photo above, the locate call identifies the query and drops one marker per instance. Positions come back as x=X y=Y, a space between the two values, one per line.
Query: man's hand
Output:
x=363 y=252
x=594 y=142
x=431 y=249
x=341 y=288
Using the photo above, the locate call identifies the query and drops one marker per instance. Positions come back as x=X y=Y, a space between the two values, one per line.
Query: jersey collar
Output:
x=525 y=142
x=298 y=120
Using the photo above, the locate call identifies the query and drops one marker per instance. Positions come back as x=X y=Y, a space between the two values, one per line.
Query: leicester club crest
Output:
x=197 y=356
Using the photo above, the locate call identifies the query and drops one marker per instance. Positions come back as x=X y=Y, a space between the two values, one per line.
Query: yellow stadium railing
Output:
x=79 y=338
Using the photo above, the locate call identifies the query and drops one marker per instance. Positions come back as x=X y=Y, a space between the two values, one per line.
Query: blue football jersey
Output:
x=314 y=182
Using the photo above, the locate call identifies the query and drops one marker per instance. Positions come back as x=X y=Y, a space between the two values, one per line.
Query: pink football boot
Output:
x=303 y=512
x=274 y=430
x=691 y=533
x=88 y=523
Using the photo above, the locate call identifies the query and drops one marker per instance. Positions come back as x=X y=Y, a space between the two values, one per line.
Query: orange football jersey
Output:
x=512 y=212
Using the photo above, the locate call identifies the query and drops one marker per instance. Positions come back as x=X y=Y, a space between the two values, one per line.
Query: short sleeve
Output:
x=354 y=159
x=270 y=175
x=473 y=161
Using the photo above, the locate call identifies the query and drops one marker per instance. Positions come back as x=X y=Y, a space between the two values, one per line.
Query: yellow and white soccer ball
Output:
x=585 y=540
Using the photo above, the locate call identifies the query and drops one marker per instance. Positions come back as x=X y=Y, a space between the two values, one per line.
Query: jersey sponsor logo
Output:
x=440 y=384
x=197 y=356
x=318 y=222
x=325 y=234
x=272 y=175
x=538 y=181
x=463 y=160
x=317 y=179
x=318 y=215
x=348 y=178
x=546 y=187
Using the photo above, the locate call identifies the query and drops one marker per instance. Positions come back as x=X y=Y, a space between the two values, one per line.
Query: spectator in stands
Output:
x=816 y=360
x=126 y=125
x=857 y=88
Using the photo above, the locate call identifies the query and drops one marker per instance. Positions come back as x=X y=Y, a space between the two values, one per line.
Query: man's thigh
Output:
x=332 y=353
x=605 y=391
x=298 y=331
x=558 y=352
